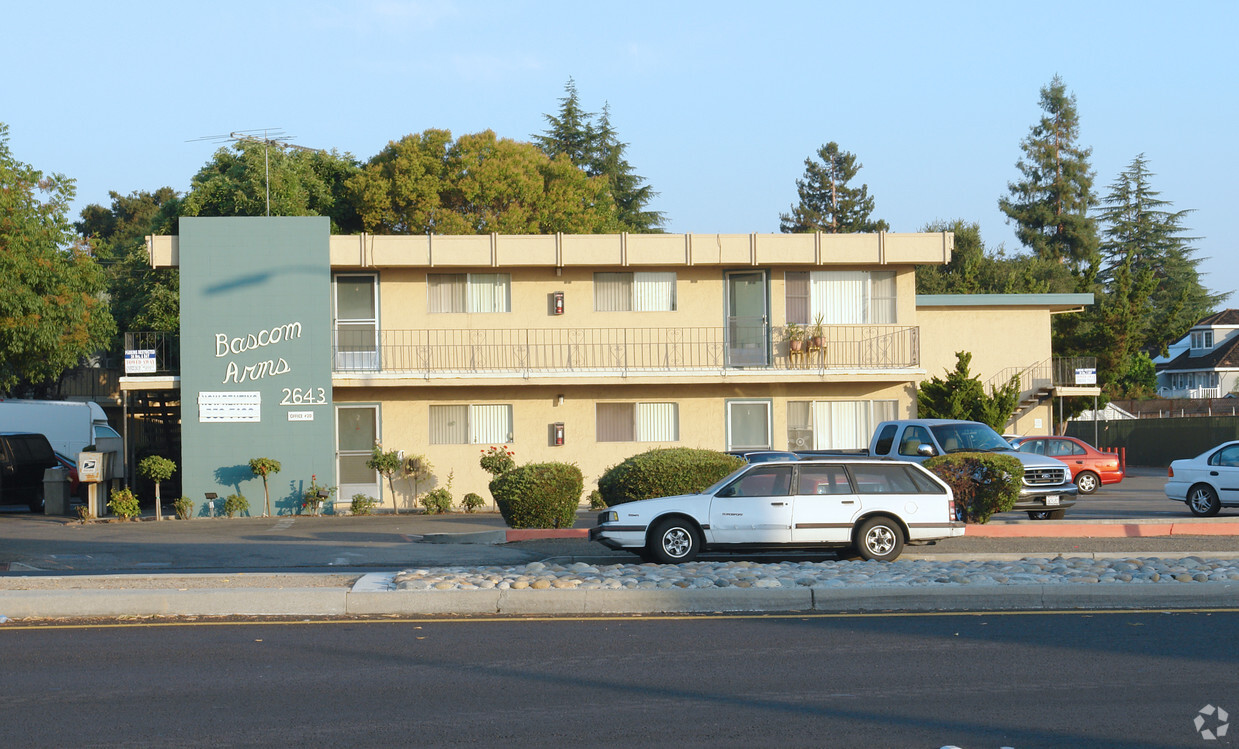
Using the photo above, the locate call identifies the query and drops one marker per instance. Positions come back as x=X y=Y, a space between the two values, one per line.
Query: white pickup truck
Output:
x=1047 y=490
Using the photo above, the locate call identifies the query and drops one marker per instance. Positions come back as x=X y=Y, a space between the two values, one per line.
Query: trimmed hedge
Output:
x=983 y=483
x=665 y=472
x=539 y=495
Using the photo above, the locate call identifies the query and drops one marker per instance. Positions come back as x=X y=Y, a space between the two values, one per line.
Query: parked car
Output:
x=872 y=507
x=23 y=459
x=763 y=456
x=1090 y=468
x=1207 y=482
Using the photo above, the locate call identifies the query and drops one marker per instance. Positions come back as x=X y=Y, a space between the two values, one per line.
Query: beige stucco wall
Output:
x=404 y=422
x=1002 y=340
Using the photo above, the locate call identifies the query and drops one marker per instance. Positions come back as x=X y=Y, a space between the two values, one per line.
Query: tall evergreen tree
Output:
x=590 y=142
x=828 y=203
x=1050 y=205
x=1144 y=238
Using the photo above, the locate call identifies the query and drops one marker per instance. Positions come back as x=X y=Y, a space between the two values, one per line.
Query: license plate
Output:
x=1050 y=501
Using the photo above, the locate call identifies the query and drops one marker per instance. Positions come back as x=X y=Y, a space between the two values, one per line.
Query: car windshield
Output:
x=960 y=437
x=723 y=481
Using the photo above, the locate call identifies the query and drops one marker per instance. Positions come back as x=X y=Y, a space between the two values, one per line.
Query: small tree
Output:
x=157 y=469
x=416 y=468
x=962 y=396
x=264 y=467
x=387 y=463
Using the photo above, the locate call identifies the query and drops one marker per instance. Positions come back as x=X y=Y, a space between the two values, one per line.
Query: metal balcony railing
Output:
x=521 y=352
x=1048 y=374
x=167 y=348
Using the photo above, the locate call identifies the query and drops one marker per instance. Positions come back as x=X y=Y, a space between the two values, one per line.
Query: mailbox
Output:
x=93 y=467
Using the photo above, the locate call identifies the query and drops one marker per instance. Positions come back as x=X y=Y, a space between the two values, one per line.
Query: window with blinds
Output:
x=637 y=422
x=634 y=292
x=840 y=297
x=489 y=424
x=835 y=425
x=469 y=292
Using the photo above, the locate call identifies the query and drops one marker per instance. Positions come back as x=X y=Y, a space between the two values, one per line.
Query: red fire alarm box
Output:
x=557 y=433
x=558 y=302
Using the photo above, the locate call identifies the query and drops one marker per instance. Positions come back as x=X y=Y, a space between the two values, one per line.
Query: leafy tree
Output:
x=1050 y=204
x=962 y=396
x=52 y=314
x=595 y=148
x=973 y=269
x=158 y=469
x=303 y=182
x=478 y=184
x=827 y=201
x=141 y=297
x=265 y=467
x=389 y=464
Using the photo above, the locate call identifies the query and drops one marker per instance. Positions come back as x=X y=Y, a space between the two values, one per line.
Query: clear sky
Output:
x=720 y=102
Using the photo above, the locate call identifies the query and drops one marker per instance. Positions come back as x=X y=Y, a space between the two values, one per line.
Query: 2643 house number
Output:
x=300 y=397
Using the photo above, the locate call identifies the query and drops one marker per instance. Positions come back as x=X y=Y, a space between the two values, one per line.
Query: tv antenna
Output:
x=267 y=136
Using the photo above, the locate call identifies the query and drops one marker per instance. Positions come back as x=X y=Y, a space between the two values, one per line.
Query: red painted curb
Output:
x=1031 y=529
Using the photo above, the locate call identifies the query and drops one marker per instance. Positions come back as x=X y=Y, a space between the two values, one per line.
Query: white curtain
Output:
x=840 y=425
x=882 y=297
x=838 y=296
x=449 y=425
x=490 y=425
x=445 y=292
x=488 y=292
x=657 y=422
x=613 y=292
x=654 y=292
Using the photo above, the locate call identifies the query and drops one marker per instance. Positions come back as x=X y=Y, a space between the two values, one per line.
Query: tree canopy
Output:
x=594 y=146
x=962 y=396
x=828 y=201
x=52 y=313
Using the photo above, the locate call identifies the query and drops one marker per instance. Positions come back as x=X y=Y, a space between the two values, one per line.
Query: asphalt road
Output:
x=1062 y=680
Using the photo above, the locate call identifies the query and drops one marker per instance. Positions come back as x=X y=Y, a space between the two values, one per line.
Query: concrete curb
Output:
x=369 y=599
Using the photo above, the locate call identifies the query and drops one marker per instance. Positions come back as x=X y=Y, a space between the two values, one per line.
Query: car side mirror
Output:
x=926 y=450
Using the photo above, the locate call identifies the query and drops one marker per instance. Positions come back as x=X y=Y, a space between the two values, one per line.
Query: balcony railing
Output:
x=167 y=348
x=1051 y=373
x=523 y=352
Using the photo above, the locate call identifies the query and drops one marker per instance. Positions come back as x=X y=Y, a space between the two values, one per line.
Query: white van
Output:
x=70 y=426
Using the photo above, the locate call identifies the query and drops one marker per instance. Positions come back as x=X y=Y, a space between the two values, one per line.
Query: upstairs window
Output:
x=634 y=292
x=841 y=297
x=469 y=292
x=1202 y=339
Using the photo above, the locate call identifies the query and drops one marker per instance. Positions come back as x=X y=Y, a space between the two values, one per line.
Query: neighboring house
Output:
x=586 y=349
x=1205 y=362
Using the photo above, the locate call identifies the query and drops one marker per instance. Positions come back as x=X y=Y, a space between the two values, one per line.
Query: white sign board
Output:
x=140 y=361
x=301 y=416
x=229 y=406
x=1086 y=376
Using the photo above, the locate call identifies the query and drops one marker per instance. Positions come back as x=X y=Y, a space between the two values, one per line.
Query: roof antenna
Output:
x=269 y=137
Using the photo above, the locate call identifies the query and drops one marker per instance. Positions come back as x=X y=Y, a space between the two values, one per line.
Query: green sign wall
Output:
x=255 y=358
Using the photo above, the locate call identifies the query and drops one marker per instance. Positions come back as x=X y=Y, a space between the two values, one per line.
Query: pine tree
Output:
x=1050 y=205
x=827 y=202
x=962 y=396
x=594 y=146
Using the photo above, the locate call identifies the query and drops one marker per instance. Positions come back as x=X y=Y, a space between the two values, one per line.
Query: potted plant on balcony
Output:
x=817 y=336
x=794 y=335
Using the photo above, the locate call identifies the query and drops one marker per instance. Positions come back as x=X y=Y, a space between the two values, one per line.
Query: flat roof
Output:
x=1050 y=301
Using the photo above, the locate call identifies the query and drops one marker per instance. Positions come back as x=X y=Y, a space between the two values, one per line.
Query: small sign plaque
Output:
x=229 y=406
x=301 y=416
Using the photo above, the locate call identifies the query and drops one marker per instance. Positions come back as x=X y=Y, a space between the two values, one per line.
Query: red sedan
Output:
x=1090 y=468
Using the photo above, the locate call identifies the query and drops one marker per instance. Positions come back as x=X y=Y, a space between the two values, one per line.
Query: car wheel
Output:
x=1087 y=482
x=673 y=541
x=1203 y=501
x=879 y=539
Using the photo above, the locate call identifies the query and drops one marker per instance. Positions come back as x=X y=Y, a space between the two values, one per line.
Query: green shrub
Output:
x=497 y=460
x=124 y=505
x=596 y=502
x=472 y=502
x=539 y=495
x=665 y=472
x=983 y=483
x=184 y=507
x=236 y=504
x=363 y=504
x=437 y=501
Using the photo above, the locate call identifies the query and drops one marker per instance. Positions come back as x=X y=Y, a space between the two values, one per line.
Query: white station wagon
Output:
x=871 y=507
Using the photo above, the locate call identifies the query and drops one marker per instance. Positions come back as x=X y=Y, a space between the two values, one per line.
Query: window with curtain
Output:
x=840 y=297
x=489 y=424
x=637 y=422
x=835 y=425
x=634 y=292
x=469 y=292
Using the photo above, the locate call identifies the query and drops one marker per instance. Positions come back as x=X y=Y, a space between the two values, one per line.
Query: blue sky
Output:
x=720 y=102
